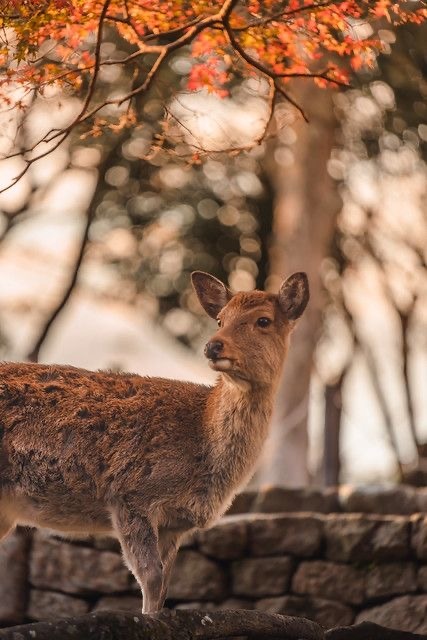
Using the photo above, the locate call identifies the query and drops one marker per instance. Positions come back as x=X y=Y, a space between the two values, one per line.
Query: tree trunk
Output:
x=306 y=208
x=331 y=437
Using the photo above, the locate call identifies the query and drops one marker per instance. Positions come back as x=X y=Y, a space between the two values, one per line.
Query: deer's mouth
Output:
x=221 y=364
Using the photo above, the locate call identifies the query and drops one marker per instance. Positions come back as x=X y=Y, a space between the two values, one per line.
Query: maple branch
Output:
x=172 y=32
x=272 y=94
x=320 y=74
x=260 y=22
x=271 y=102
x=162 y=51
x=94 y=78
x=235 y=44
x=31 y=161
x=160 y=45
x=64 y=133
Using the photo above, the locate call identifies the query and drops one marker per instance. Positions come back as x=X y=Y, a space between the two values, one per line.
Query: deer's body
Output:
x=145 y=459
x=97 y=436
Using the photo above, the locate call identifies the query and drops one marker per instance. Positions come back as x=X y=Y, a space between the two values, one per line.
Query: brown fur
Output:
x=145 y=459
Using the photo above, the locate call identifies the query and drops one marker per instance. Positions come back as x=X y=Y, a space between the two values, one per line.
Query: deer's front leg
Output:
x=139 y=542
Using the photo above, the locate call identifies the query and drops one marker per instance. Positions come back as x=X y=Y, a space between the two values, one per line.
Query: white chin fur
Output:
x=222 y=364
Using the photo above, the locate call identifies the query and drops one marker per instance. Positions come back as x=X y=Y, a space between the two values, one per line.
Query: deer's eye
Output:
x=263 y=322
x=218 y=321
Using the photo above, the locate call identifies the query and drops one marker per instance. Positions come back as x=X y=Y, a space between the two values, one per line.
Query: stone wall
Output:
x=326 y=564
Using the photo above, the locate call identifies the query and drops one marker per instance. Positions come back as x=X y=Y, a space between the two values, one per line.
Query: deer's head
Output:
x=250 y=345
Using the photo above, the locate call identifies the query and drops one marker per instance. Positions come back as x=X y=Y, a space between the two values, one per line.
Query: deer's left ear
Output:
x=293 y=295
x=212 y=293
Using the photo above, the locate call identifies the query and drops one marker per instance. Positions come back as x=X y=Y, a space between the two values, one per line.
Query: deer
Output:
x=146 y=460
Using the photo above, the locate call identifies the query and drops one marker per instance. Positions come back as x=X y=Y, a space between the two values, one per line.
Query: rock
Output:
x=44 y=605
x=229 y=604
x=348 y=537
x=189 y=540
x=205 y=606
x=377 y=499
x=13 y=578
x=390 y=579
x=391 y=540
x=422 y=500
x=325 y=612
x=280 y=499
x=242 y=503
x=226 y=541
x=422 y=578
x=74 y=569
x=237 y=603
x=406 y=613
x=356 y=538
x=419 y=536
x=117 y=603
x=299 y=535
x=261 y=576
x=195 y=577
x=329 y=580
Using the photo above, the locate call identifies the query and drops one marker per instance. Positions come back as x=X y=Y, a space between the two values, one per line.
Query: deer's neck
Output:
x=236 y=424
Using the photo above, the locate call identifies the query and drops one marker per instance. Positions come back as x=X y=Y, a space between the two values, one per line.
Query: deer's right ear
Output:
x=293 y=295
x=212 y=293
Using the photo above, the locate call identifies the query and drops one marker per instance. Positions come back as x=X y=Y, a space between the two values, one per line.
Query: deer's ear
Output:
x=293 y=295
x=212 y=293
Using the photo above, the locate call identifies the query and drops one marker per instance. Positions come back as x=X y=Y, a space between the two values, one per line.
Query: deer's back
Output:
x=70 y=432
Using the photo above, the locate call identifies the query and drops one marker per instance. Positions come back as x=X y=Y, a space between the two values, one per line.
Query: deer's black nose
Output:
x=213 y=349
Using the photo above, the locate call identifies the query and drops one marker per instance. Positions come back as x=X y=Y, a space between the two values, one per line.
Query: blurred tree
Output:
x=305 y=212
x=384 y=142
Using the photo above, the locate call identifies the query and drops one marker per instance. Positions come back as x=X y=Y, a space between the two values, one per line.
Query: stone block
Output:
x=355 y=538
x=13 y=578
x=45 y=605
x=73 y=569
x=189 y=540
x=189 y=606
x=242 y=503
x=379 y=499
x=298 y=534
x=280 y=499
x=422 y=578
x=119 y=603
x=419 y=536
x=257 y=577
x=195 y=577
x=422 y=500
x=328 y=613
x=406 y=613
x=391 y=579
x=237 y=603
x=226 y=605
x=329 y=580
x=226 y=541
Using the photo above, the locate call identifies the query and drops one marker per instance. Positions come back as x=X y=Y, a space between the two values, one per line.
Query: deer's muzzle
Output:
x=213 y=349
